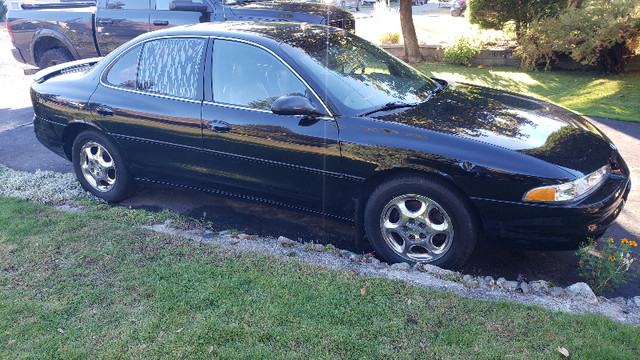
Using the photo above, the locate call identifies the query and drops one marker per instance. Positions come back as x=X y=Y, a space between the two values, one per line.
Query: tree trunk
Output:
x=411 y=48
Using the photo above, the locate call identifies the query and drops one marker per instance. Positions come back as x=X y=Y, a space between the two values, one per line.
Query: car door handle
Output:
x=104 y=21
x=219 y=126
x=160 y=22
x=104 y=111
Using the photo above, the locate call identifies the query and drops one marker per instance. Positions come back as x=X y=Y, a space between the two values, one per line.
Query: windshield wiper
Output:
x=391 y=106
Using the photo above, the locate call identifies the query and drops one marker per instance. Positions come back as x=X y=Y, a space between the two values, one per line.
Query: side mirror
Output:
x=294 y=105
x=188 y=5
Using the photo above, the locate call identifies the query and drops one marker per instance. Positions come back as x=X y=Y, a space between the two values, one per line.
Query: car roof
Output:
x=247 y=30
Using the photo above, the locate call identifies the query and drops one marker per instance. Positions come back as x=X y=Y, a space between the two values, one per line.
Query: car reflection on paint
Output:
x=315 y=118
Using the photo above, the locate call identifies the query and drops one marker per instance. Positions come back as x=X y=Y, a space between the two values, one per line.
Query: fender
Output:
x=48 y=34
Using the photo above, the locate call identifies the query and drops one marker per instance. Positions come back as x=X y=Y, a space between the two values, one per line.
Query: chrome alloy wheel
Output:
x=416 y=228
x=98 y=166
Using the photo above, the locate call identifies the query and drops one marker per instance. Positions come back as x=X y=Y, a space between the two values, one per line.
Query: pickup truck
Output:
x=52 y=33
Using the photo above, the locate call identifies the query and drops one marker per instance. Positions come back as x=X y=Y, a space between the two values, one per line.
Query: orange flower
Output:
x=601 y=252
x=612 y=258
x=595 y=243
x=580 y=262
x=610 y=240
x=633 y=243
x=624 y=241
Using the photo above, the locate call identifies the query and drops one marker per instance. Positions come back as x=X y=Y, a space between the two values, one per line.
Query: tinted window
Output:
x=171 y=67
x=250 y=76
x=128 y=4
x=123 y=72
x=164 y=4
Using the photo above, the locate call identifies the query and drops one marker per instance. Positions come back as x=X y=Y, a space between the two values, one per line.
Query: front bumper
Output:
x=554 y=227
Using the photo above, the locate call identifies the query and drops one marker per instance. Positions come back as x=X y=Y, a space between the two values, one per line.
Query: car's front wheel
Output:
x=100 y=167
x=415 y=219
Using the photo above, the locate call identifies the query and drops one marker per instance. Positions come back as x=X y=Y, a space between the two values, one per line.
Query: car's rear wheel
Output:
x=53 y=57
x=100 y=167
x=415 y=219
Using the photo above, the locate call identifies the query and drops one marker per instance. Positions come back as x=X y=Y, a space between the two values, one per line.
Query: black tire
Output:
x=438 y=227
x=100 y=167
x=53 y=57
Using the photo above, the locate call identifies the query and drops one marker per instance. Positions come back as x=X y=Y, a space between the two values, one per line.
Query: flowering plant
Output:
x=606 y=267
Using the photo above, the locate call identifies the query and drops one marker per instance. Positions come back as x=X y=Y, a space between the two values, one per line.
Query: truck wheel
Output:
x=53 y=57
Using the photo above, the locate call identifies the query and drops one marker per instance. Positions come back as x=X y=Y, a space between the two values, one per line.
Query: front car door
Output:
x=248 y=147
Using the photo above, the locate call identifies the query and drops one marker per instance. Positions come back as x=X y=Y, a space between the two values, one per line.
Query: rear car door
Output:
x=149 y=99
x=118 y=21
x=252 y=148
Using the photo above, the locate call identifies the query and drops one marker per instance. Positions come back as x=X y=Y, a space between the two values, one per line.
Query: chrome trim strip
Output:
x=244 y=157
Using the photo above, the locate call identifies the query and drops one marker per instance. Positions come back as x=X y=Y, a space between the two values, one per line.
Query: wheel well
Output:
x=69 y=135
x=45 y=44
x=380 y=177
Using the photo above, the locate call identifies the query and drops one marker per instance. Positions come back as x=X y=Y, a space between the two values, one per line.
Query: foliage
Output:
x=495 y=14
x=601 y=33
x=608 y=96
x=390 y=38
x=462 y=50
x=3 y=10
x=97 y=286
x=606 y=267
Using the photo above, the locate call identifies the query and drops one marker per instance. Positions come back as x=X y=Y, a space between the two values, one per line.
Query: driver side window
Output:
x=246 y=75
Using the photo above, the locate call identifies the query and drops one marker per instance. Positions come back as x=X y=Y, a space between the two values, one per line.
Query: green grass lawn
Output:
x=592 y=94
x=96 y=286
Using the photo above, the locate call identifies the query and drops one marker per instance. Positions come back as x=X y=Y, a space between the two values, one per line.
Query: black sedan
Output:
x=315 y=118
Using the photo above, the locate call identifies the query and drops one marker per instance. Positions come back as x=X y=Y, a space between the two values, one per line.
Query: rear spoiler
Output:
x=68 y=67
x=54 y=5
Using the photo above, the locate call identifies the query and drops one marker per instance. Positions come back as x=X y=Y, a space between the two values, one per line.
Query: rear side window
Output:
x=128 y=4
x=171 y=67
x=165 y=66
x=124 y=71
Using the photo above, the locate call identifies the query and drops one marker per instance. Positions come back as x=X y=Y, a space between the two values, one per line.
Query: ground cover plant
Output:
x=588 y=93
x=96 y=285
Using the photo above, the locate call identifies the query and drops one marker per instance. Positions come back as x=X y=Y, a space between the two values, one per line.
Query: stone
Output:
x=482 y=284
x=540 y=287
x=556 y=291
x=635 y=301
x=620 y=301
x=581 y=291
x=467 y=278
x=354 y=257
x=510 y=285
x=318 y=247
x=432 y=269
x=374 y=261
x=489 y=280
x=501 y=282
x=524 y=288
x=345 y=253
x=285 y=241
x=401 y=266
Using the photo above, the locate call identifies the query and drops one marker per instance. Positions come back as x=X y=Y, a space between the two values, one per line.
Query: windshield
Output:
x=357 y=74
x=238 y=2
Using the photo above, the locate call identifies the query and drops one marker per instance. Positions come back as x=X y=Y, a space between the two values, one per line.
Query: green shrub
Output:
x=600 y=33
x=495 y=14
x=3 y=10
x=462 y=50
x=390 y=38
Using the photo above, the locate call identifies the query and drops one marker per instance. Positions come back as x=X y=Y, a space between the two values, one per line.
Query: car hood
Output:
x=518 y=123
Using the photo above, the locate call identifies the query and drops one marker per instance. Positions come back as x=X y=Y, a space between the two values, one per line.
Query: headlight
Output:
x=571 y=190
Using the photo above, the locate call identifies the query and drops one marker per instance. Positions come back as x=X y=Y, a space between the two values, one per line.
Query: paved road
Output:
x=20 y=150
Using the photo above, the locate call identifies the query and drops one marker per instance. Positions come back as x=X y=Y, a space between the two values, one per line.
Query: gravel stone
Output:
x=318 y=247
x=524 y=288
x=501 y=282
x=345 y=253
x=285 y=241
x=581 y=291
x=489 y=280
x=482 y=284
x=556 y=291
x=467 y=278
x=636 y=301
x=401 y=266
x=540 y=287
x=510 y=285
